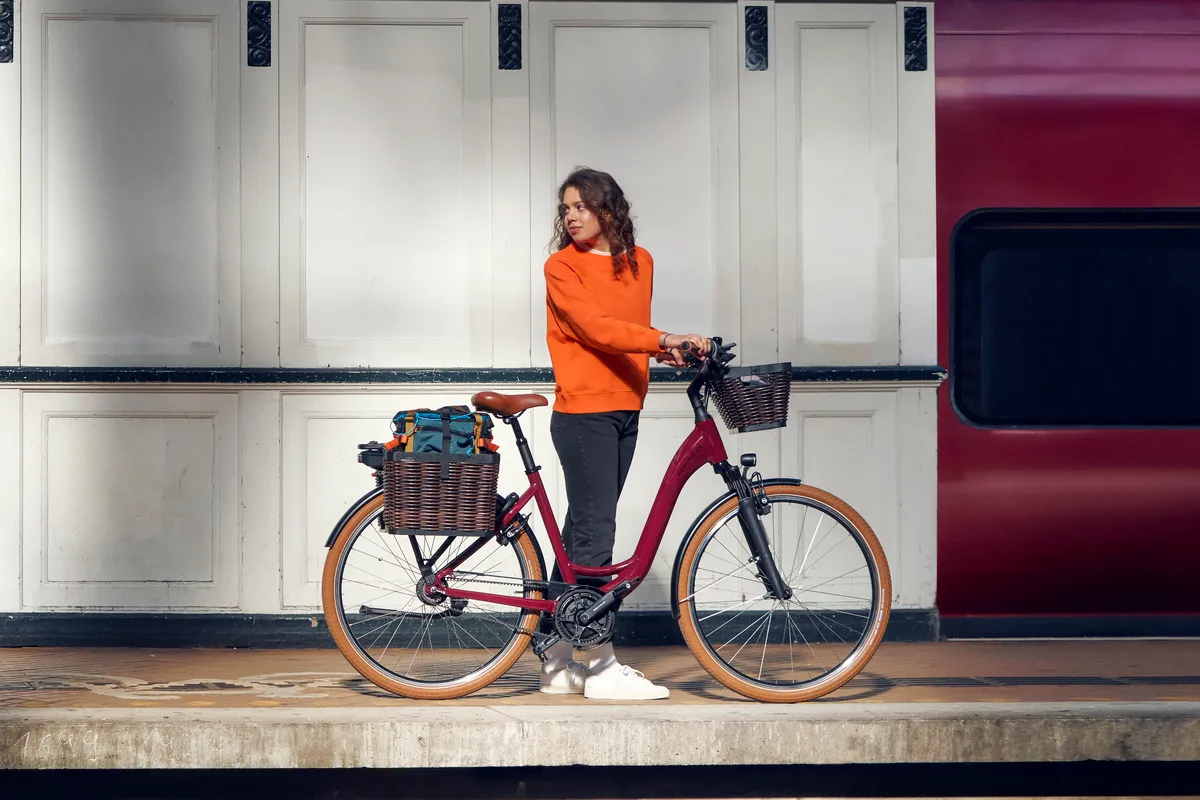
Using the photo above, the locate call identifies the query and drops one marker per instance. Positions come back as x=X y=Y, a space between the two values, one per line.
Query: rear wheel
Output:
x=785 y=651
x=408 y=643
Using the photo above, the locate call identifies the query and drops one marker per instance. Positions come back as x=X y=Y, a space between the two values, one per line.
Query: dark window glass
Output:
x=1076 y=318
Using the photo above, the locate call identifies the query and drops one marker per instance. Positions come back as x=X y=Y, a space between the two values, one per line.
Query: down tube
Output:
x=702 y=446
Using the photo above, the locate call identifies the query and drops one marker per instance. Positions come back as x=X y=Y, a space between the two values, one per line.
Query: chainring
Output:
x=571 y=605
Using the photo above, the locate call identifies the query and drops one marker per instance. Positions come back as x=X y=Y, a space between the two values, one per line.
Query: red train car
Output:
x=1068 y=203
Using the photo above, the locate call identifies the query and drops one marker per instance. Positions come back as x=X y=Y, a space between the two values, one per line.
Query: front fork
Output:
x=752 y=505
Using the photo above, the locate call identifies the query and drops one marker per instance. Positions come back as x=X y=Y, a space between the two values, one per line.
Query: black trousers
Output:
x=595 y=451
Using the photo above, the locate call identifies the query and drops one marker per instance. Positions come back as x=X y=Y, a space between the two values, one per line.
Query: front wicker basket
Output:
x=427 y=493
x=754 y=398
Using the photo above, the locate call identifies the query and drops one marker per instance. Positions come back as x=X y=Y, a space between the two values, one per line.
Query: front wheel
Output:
x=784 y=651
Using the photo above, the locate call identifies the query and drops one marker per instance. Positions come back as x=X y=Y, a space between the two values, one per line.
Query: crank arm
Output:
x=605 y=603
x=543 y=642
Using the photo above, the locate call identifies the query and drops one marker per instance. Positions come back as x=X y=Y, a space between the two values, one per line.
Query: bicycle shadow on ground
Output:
x=865 y=685
x=515 y=683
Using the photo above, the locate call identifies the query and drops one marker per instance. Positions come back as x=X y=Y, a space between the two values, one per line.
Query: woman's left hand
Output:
x=672 y=358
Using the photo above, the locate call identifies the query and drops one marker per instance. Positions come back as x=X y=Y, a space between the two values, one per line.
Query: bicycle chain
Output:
x=514 y=582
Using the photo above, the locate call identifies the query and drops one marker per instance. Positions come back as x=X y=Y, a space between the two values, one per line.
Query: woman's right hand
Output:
x=696 y=343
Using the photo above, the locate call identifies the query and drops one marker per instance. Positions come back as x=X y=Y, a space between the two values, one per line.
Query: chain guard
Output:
x=571 y=605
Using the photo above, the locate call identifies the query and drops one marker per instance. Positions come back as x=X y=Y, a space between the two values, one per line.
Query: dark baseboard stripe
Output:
x=637 y=628
x=1115 y=626
x=266 y=375
x=304 y=631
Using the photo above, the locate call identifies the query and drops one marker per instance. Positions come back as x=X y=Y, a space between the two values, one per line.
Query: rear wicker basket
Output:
x=437 y=493
x=754 y=398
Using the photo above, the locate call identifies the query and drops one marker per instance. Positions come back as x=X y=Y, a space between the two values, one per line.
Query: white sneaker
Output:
x=622 y=683
x=565 y=680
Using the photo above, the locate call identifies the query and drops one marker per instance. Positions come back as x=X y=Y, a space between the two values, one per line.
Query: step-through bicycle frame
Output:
x=703 y=446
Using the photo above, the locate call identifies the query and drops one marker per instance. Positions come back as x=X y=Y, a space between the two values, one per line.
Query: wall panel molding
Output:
x=130 y=500
x=364 y=225
x=130 y=251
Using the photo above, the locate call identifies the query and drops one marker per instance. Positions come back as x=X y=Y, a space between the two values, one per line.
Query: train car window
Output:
x=1076 y=318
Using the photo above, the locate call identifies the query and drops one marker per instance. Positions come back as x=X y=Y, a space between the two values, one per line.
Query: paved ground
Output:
x=945 y=672
x=943 y=703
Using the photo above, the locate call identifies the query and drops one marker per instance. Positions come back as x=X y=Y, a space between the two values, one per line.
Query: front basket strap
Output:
x=445 y=444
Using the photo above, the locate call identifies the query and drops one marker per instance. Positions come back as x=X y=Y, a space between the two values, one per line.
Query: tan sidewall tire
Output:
x=828 y=683
x=368 y=670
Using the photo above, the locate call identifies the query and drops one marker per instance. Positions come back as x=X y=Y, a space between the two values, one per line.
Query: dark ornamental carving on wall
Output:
x=510 y=35
x=756 y=38
x=916 y=45
x=6 y=31
x=258 y=34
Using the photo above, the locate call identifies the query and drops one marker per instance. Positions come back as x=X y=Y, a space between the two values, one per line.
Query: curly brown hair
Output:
x=605 y=199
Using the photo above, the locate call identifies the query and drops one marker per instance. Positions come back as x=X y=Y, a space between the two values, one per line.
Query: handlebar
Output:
x=711 y=366
x=719 y=353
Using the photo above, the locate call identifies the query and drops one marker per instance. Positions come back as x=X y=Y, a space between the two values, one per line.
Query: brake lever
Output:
x=688 y=356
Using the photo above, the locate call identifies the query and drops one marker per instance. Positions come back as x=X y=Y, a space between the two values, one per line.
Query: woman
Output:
x=598 y=289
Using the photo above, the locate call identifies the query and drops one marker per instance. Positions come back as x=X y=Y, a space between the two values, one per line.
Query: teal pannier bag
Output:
x=454 y=430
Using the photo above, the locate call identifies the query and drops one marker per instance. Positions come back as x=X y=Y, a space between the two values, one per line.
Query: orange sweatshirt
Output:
x=598 y=331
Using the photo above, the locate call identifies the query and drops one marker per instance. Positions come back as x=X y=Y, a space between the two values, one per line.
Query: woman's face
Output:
x=581 y=223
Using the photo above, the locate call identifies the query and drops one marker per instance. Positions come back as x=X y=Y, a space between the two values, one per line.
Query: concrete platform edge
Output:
x=611 y=735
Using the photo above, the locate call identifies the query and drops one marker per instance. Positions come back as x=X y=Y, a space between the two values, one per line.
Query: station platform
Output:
x=932 y=703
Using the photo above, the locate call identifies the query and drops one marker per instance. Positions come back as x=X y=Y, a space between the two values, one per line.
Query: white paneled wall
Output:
x=381 y=195
x=161 y=500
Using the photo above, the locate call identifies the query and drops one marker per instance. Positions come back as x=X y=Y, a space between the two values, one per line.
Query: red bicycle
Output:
x=781 y=590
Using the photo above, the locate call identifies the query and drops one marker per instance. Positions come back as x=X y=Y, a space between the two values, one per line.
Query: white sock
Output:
x=557 y=656
x=602 y=659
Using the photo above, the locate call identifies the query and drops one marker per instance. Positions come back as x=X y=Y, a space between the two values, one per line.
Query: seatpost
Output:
x=522 y=446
